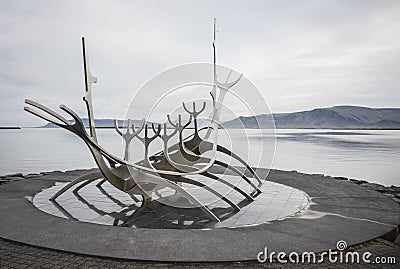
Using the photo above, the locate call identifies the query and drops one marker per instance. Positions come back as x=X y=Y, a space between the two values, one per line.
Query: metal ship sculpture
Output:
x=173 y=165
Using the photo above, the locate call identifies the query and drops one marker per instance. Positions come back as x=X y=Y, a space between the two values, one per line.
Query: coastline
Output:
x=10 y=128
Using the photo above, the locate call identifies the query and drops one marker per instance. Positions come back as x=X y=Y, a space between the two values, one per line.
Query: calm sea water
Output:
x=362 y=154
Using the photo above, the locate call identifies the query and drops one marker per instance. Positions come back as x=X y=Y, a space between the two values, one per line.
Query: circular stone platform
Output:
x=339 y=210
x=109 y=206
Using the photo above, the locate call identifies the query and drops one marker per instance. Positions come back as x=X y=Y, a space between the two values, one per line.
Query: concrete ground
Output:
x=18 y=255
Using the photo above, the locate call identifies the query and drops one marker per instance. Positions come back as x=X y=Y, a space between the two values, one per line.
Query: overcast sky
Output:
x=300 y=54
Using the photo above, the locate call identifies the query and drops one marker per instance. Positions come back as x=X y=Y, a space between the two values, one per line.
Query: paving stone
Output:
x=46 y=259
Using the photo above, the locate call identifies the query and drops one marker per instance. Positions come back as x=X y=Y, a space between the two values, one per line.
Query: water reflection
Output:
x=109 y=206
x=332 y=139
x=339 y=139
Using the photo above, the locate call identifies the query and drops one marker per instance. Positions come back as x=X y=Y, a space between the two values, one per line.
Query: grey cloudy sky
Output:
x=300 y=54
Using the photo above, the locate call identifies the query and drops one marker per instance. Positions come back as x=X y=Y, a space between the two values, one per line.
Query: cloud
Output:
x=301 y=54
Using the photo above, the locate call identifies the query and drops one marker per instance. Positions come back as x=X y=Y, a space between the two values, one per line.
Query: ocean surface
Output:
x=372 y=155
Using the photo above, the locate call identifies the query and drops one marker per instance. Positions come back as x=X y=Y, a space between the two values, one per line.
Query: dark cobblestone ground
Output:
x=16 y=255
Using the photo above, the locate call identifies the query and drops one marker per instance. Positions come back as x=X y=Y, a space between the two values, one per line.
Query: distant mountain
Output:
x=337 y=117
x=99 y=123
x=109 y=123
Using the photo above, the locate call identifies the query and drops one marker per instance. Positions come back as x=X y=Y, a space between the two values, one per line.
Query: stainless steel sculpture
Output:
x=170 y=167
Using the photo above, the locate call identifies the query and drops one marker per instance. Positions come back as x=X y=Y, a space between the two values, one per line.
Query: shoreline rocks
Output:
x=19 y=176
x=392 y=192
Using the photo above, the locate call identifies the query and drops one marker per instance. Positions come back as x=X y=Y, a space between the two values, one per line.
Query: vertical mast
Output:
x=214 y=89
x=89 y=80
x=215 y=55
x=222 y=88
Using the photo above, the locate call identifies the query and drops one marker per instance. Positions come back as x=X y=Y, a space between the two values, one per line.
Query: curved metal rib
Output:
x=238 y=172
x=233 y=155
x=87 y=182
x=99 y=186
x=101 y=182
x=118 y=202
x=205 y=174
x=209 y=175
x=147 y=178
x=165 y=164
x=193 y=182
x=62 y=209
x=86 y=177
x=177 y=160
